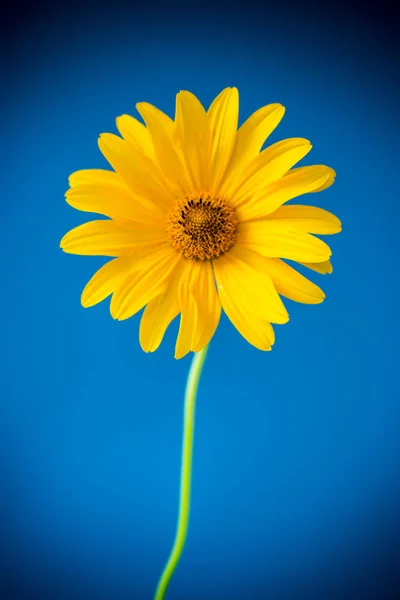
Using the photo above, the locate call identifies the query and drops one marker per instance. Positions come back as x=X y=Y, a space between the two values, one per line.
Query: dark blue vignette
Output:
x=296 y=488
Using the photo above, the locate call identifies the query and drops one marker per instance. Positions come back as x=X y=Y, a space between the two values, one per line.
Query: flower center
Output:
x=202 y=228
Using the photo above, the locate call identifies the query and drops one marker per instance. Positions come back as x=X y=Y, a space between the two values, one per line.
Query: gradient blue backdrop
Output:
x=296 y=462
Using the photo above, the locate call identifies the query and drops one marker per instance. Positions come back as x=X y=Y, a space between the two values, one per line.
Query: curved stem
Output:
x=186 y=472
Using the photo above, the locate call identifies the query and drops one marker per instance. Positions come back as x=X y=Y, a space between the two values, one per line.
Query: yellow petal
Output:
x=241 y=292
x=96 y=177
x=208 y=305
x=323 y=267
x=302 y=180
x=328 y=182
x=109 y=238
x=223 y=118
x=289 y=283
x=269 y=166
x=187 y=306
x=161 y=128
x=159 y=313
x=145 y=283
x=250 y=138
x=248 y=267
x=139 y=172
x=199 y=305
x=136 y=134
x=106 y=280
x=307 y=218
x=273 y=240
x=114 y=201
x=106 y=193
x=192 y=137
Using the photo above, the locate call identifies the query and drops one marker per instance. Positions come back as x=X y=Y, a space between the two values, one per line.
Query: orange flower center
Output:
x=202 y=228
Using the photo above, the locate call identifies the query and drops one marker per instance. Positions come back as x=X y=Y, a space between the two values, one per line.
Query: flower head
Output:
x=198 y=221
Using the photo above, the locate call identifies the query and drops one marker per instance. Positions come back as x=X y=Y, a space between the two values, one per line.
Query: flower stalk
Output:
x=186 y=472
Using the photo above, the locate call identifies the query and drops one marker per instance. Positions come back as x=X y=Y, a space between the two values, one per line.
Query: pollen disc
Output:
x=202 y=228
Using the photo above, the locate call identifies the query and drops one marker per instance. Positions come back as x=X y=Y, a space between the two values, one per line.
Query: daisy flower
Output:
x=198 y=222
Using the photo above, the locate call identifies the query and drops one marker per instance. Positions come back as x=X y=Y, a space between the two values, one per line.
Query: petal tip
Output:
x=180 y=354
x=119 y=119
x=64 y=242
x=282 y=318
x=139 y=106
x=106 y=137
x=318 y=299
x=113 y=311
x=86 y=299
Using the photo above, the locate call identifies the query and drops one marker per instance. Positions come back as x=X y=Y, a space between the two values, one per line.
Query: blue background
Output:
x=296 y=463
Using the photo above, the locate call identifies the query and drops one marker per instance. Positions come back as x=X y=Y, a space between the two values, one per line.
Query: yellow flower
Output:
x=198 y=222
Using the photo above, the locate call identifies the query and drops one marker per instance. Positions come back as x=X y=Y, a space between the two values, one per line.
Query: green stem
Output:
x=186 y=472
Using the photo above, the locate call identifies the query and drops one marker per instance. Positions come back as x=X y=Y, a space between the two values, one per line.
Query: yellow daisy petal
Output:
x=323 y=267
x=242 y=265
x=144 y=284
x=114 y=201
x=307 y=218
x=223 y=117
x=297 y=182
x=199 y=305
x=159 y=313
x=161 y=128
x=250 y=138
x=208 y=305
x=138 y=171
x=192 y=137
x=187 y=306
x=240 y=303
x=289 y=283
x=96 y=177
x=136 y=134
x=106 y=280
x=273 y=240
x=109 y=238
x=106 y=193
x=329 y=181
x=270 y=165
x=156 y=318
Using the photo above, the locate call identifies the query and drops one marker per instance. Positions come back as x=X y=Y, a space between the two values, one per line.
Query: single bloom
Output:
x=198 y=222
